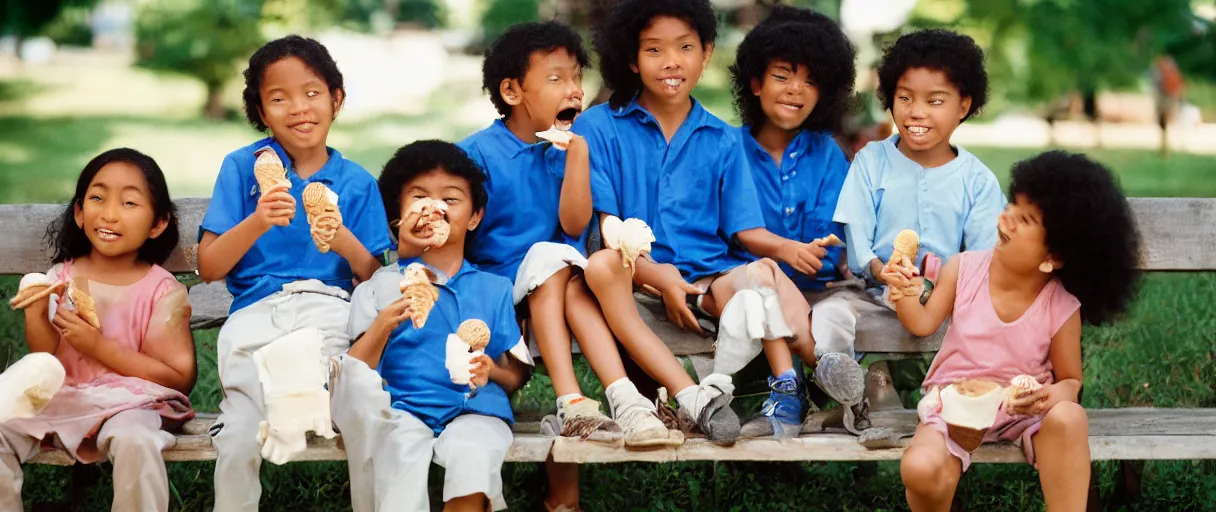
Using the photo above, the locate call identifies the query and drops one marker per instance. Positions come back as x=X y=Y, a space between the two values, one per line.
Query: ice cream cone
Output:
x=269 y=170
x=321 y=206
x=474 y=332
x=418 y=292
x=33 y=288
x=967 y=438
x=85 y=307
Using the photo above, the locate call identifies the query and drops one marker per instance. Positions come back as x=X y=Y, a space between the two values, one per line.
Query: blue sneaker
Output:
x=781 y=414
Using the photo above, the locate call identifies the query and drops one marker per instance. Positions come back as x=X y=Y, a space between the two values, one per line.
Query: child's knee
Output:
x=1067 y=419
x=928 y=474
x=763 y=273
x=604 y=267
x=135 y=443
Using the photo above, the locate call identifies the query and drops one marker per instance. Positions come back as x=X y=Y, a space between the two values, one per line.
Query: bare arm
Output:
x=218 y=254
x=804 y=257
x=575 y=210
x=369 y=347
x=1065 y=356
x=168 y=362
x=923 y=320
x=362 y=263
x=40 y=335
x=509 y=373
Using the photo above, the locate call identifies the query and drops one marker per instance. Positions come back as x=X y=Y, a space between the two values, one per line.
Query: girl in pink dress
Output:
x=128 y=380
x=1067 y=253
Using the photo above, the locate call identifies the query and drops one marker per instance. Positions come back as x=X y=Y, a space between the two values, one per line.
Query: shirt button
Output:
x=794 y=155
x=795 y=173
x=785 y=178
x=789 y=211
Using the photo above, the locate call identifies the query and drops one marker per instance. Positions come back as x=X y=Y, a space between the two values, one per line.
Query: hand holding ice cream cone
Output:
x=1027 y=397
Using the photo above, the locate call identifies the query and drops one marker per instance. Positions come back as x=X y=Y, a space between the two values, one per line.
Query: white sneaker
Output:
x=582 y=419
x=640 y=422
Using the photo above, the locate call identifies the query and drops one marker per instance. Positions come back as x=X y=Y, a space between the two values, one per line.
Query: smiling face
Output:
x=551 y=94
x=297 y=105
x=454 y=191
x=1022 y=239
x=927 y=108
x=117 y=214
x=787 y=94
x=670 y=60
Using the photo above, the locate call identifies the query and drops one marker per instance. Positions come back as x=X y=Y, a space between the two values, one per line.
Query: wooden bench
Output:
x=1172 y=244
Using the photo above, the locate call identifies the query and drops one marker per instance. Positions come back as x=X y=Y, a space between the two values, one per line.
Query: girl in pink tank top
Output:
x=118 y=326
x=1067 y=253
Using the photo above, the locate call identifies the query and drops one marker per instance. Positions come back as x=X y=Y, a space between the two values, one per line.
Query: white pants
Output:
x=540 y=263
x=834 y=314
x=389 y=451
x=132 y=440
x=300 y=304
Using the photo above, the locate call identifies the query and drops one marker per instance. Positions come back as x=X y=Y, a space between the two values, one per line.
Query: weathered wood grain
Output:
x=1115 y=434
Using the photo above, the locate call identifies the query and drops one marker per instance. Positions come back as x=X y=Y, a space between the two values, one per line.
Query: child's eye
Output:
x=312 y=94
x=451 y=200
x=130 y=204
x=652 y=50
x=904 y=99
x=780 y=78
x=94 y=197
x=554 y=78
x=687 y=47
x=936 y=102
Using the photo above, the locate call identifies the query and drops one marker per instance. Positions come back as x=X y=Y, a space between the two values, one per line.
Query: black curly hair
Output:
x=800 y=37
x=1089 y=226
x=617 y=39
x=69 y=241
x=952 y=53
x=314 y=55
x=421 y=157
x=511 y=54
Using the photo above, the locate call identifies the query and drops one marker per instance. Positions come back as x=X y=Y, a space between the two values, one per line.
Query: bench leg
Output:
x=880 y=388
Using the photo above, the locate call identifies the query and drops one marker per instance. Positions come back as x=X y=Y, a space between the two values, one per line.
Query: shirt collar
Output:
x=515 y=147
x=895 y=155
x=442 y=278
x=324 y=174
x=695 y=115
x=797 y=148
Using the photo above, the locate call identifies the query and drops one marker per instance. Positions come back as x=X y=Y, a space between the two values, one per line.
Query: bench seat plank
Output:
x=1115 y=434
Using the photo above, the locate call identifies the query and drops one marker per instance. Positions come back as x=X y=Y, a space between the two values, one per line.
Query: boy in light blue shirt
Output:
x=932 y=81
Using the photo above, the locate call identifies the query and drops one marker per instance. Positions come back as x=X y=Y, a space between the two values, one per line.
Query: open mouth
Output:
x=304 y=127
x=790 y=106
x=672 y=82
x=565 y=118
x=107 y=235
x=918 y=131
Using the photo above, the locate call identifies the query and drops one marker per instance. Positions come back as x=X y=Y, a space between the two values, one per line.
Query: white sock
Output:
x=566 y=399
x=618 y=392
x=687 y=400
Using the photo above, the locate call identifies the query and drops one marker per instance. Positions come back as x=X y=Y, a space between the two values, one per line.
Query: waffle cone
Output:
x=324 y=218
x=474 y=332
x=85 y=307
x=968 y=438
x=269 y=170
x=907 y=243
x=30 y=294
x=418 y=293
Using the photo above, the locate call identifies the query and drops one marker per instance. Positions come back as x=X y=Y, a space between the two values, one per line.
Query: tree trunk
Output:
x=214 y=108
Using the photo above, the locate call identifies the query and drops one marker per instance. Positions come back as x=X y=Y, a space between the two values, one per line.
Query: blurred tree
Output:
x=501 y=14
x=1054 y=47
x=26 y=18
x=201 y=38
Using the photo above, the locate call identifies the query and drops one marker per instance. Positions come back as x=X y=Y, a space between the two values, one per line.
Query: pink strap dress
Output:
x=131 y=315
x=979 y=345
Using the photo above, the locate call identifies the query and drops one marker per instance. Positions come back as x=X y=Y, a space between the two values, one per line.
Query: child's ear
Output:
x=756 y=86
x=709 y=52
x=78 y=215
x=339 y=100
x=511 y=91
x=475 y=220
x=262 y=116
x=159 y=227
x=965 y=107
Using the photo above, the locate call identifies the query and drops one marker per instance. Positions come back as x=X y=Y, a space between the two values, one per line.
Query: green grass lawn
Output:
x=1160 y=355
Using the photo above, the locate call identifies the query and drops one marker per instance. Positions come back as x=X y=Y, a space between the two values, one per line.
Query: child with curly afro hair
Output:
x=1068 y=253
x=793 y=82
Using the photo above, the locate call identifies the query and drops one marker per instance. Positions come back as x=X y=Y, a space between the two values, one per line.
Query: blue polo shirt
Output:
x=413 y=364
x=286 y=253
x=799 y=198
x=953 y=207
x=524 y=184
x=696 y=193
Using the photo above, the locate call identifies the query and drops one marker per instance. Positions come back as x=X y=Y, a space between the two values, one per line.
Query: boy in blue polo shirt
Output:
x=261 y=243
x=659 y=156
x=534 y=233
x=931 y=81
x=793 y=80
x=409 y=411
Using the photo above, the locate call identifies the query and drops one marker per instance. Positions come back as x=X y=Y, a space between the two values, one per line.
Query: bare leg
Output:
x=929 y=472
x=1061 y=449
x=612 y=284
x=563 y=484
x=470 y=503
x=591 y=330
x=547 y=304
